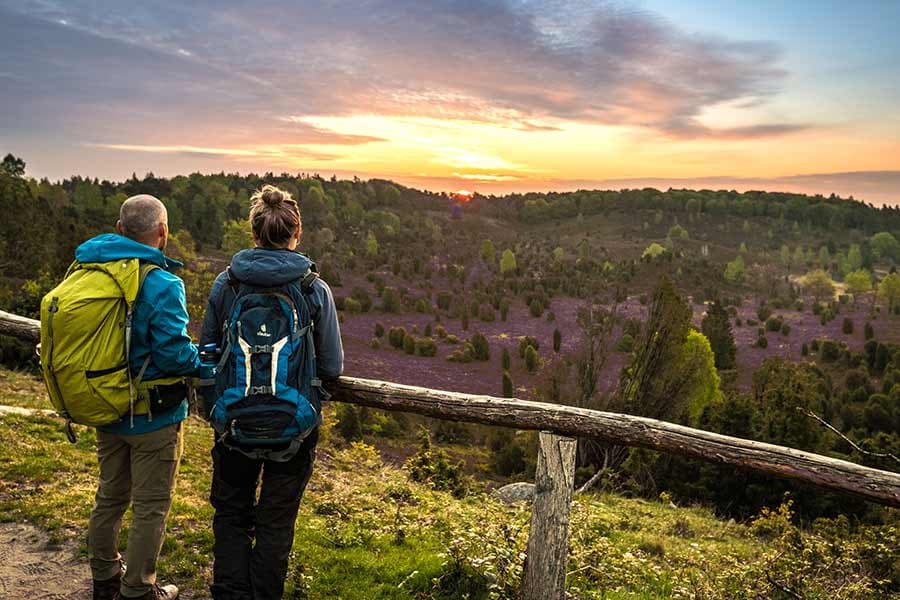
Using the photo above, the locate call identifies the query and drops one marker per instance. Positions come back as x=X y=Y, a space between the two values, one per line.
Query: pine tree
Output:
x=717 y=328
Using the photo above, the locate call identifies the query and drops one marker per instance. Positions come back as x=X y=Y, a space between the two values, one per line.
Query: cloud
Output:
x=273 y=154
x=515 y=64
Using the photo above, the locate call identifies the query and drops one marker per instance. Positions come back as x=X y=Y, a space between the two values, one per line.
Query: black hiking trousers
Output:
x=243 y=570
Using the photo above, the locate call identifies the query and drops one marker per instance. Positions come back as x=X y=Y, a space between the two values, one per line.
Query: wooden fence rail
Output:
x=777 y=461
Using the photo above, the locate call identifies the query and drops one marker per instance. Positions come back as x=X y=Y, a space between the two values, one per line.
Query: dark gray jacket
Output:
x=272 y=268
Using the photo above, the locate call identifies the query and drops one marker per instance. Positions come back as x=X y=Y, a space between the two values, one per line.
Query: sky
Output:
x=491 y=96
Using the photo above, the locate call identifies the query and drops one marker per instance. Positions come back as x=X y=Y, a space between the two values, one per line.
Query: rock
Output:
x=521 y=491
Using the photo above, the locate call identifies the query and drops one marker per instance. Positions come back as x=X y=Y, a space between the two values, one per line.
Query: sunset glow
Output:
x=494 y=96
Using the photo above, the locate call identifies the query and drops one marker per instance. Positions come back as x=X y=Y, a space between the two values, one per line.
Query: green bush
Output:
x=557 y=340
x=481 y=348
x=507 y=385
x=375 y=343
x=625 y=343
x=831 y=351
x=425 y=347
x=396 y=336
x=348 y=425
x=379 y=330
x=868 y=331
x=431 y=466
x=847 y=326
x=524 y=342
x=409 y=344
x=504 y=309
x=504 y=359
x=762 y=342
x=363 y=298
x=536 y=308
x=352 y=306
x=785 y=329
x=532 y=360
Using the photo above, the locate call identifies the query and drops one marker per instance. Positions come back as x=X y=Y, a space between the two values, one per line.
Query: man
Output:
x=139 y=455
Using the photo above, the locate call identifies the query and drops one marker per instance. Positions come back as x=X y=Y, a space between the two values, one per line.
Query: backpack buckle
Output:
x=259 y=390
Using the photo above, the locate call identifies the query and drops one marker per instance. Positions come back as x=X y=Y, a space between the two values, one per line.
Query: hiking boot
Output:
x=157 y=592
x=107 y=589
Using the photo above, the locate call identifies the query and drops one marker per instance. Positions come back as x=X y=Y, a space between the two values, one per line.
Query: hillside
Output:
x=367 y=531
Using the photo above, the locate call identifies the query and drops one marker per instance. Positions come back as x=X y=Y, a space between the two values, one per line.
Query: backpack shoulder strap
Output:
x=308 y=279
x=145 y=270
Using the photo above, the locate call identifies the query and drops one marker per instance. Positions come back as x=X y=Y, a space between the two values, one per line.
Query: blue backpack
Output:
x=267 y=392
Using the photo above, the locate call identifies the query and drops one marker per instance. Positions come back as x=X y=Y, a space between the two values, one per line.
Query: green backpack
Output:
x=86 y=342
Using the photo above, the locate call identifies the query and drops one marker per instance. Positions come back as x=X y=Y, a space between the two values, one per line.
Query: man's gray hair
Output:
x=141 y=215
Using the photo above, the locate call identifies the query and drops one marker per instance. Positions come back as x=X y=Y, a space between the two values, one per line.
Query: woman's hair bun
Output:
x=273 y=196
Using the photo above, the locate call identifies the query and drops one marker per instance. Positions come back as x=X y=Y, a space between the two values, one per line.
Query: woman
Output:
x=271 y=270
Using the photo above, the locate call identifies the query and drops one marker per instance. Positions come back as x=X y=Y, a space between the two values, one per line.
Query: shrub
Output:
x=363 y=298
x=375 y=343
x=751 y=322
x=831 y=351
x=504 y=359
x=532 y=360
x=643 y=299
x=551 y=316
x=465 y=321
x=480 y=346
x=462 y=355
x=524 y=342
x=507 y=385
x=440 y=331
x=785 y=329
x=625 y=343
x=814 y=345
x=536 y=308
x=557 y=340
x=738 y=322
x=425 y=347
x=422 y=305
x=443 y=300
x=409 y=344
x=452 y=339
x=391 y=301
x=774 y=323
x=348 y=425
x=352 y=306
x=804 y=349
x=847 y=326
x=763 y=312
x=868 y=331
x=762 y=342
x=432 y=467
x=379 y=330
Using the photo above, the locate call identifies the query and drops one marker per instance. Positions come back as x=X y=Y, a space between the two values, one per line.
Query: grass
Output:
x=365 y=531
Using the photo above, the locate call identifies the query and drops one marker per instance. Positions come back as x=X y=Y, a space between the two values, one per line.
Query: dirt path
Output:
x=33 y=568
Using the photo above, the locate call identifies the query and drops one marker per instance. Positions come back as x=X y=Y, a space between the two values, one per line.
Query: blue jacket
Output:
x=159 y=325
x=271 y=268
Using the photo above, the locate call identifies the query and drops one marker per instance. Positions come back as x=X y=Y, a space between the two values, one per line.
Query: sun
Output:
x=462 y=195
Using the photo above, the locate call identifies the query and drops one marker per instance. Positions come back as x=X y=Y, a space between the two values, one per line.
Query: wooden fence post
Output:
x=548 y=540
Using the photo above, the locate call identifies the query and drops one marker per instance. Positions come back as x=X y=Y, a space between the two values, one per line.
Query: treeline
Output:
x=830 y=212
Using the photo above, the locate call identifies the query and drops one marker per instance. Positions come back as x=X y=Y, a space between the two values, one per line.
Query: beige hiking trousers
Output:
x=139 y=470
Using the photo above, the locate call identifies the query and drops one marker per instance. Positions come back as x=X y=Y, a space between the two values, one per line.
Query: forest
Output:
x=760 y=315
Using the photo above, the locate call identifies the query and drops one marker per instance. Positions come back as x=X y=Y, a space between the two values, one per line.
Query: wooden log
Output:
x=22 y=328
x=627 y=430
x=548 y=539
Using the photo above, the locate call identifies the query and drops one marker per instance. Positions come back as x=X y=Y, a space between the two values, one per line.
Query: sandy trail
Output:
x=34 y=568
